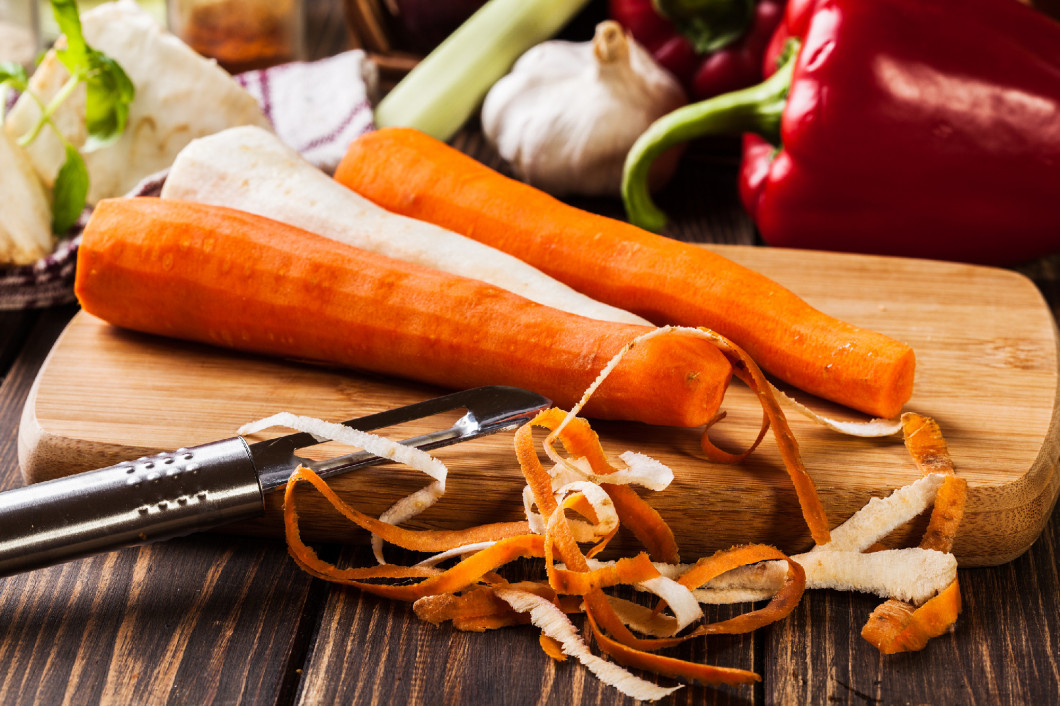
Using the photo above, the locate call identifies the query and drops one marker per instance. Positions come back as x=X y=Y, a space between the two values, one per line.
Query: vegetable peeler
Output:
x=179 y=492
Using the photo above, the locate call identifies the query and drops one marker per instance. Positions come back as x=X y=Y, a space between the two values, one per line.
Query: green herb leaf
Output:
x=107 y=103
x=74 y=54
x=13 y=74
x=70 y=192
x=108 y=89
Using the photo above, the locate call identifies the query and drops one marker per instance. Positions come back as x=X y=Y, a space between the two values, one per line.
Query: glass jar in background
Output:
x=241 y=34
x=19 y=31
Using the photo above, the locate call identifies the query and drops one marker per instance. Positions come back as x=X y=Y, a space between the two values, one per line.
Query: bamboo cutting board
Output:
x=987 y=371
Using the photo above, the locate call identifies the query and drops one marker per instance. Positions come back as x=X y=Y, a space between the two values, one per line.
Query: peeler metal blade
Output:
x=192 y=489
x=489 y=410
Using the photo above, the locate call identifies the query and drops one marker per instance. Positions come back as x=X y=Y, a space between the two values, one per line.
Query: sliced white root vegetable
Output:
x=634 y=469
x=602 y=505
x=643 y=619
x=641 y=470
x=179 y=96
x=638 y=470
x=250 y=169
x=682 y=603
x=872 y=428
x=372 y=443
x=554 y=623
x=404 y=510
x=728 y=596
x=25 y=219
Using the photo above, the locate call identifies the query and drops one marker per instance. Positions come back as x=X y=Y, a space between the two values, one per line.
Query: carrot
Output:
x=666 y=281
x=234 y=279
x=251 y=169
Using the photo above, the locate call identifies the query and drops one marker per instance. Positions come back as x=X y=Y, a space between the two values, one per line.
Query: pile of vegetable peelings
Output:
x=251 y=248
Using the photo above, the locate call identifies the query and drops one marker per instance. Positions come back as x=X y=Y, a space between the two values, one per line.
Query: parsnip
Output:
x=250 y=169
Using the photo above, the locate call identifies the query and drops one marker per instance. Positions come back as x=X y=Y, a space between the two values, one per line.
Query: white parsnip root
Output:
x=250 y=169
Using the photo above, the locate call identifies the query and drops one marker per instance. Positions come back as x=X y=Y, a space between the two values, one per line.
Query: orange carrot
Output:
x=229 y=278
x=666 y=281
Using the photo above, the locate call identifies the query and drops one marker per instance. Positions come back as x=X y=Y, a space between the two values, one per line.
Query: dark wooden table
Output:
x=224 y=619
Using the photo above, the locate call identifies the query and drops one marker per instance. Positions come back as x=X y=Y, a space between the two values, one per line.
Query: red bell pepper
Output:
x=710 y=46
x=907 y=127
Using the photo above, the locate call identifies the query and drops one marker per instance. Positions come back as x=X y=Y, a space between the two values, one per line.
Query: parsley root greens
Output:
x=108 y=95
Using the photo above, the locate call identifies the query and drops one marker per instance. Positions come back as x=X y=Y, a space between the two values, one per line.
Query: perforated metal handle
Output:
x=147 y=500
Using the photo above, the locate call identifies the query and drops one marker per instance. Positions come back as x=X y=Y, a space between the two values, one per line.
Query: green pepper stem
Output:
x=756 y=109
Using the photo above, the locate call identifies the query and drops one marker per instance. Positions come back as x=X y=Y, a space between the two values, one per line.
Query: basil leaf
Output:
x=70 y=192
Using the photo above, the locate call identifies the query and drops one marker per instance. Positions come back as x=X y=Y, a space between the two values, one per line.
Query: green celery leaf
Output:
x=70 y=192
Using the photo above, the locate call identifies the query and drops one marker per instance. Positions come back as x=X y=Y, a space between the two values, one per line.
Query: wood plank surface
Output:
x=408 y=661
x=107 y=395
x=178 y=620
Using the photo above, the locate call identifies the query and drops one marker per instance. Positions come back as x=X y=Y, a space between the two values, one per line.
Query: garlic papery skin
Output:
x=568 y=112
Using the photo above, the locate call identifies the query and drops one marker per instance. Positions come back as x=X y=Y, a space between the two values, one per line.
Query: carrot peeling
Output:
x=899 y=627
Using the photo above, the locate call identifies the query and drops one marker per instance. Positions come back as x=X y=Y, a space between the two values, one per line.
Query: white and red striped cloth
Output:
x=317 y=108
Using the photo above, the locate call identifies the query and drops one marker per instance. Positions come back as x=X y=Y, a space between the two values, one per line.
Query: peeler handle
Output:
x=147 y=500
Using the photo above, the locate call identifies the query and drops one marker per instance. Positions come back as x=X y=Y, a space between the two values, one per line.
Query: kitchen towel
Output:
x=316 y=107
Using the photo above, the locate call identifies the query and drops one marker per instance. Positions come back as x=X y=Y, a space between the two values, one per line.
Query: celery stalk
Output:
x=447 y=87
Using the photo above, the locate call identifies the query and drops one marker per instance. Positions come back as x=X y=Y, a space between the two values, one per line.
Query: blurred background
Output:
x=245 y=34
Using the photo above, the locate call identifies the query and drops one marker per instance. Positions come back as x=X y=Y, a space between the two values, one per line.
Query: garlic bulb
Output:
x=568 y=112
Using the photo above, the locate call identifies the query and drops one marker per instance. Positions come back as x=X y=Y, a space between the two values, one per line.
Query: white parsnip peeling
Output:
x=881 y=516
x=913 y=575
x=556 y=625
